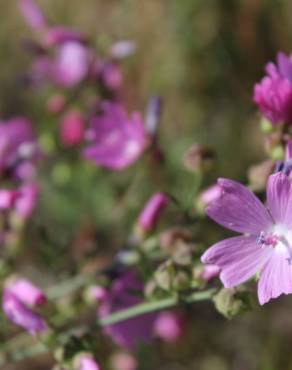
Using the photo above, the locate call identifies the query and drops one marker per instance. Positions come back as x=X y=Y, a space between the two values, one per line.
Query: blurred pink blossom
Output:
x=152 y=211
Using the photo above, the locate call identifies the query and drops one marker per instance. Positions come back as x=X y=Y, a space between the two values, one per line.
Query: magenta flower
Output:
x=72 y=128
x=8 y=198
x=17 y=145
x=169 y=326
x=33 y=14
x=111 y=76
x=152 y=211
x=123 y=294
x=21 y=315
x=273 y=94
x=59 y=35
x=118 y=141
x=25 y=291
x=265 y=247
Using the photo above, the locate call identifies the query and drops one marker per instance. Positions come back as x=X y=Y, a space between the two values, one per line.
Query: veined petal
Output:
x=279 y=198
x=276 y=278
x=238 y=209
x=239 y=258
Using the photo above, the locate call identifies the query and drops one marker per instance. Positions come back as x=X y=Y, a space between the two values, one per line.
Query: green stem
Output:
x=115 y=318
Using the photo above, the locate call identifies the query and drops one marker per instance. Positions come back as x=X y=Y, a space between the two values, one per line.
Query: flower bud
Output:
x=123 y=49
x=152 y=211
x=27 y=200
x=96 y=293
x=85 y=361
x=198 y=158
x=259 y=173
x=208 y=196
x=56 y=104
x=26 y=291
x=123 y=361
x=231 y=302
x=153 y=114
x=169 y=326
x=72 y=128
x=21 y=315
x=209 y=272
x=7 y=198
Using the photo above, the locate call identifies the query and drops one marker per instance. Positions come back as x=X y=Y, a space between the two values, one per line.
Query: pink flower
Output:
x=118 y=141
x=86 y=362
x=19 y=314
x=123 y=294
x=32 y=14
x=7 y=198
x=59 y=35
x=152 y=211
x=26 y=292
x=27 y=200
x=273 y=94
x=72 y=128
x=71 y=64
x=266 y=244
x=169 y=326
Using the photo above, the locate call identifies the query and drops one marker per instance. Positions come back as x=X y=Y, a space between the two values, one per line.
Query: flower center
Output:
x=280 y=239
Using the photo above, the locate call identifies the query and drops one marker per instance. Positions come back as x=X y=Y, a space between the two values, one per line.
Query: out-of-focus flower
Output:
x=209 y=272
x=59 y=35
x=153 y=114
x=124 y=293
x=56 y=103
x=169 y=326
x=86 y=361
x=96 y=293
x=123 y=361
x=33 y=14
x=18 y=313
x=273 y=94
x=26 y=200
x=7 y=198
x=265 y=247
x=17 y=144
x=122 y=49
x=152 y=211
x=72 y=128
x=26 y=291
x=71 y=64
x=117 y=141
x=111 y=76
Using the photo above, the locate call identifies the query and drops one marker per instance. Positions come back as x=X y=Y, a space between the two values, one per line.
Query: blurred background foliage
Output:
x=202 y=57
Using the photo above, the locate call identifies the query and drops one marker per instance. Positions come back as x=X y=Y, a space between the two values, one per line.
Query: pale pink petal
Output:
x=276 y=278
x=239 y=209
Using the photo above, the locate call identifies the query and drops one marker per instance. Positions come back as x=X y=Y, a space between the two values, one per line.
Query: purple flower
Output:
x=152 y=211
x=273 y=94
x=17 y=144
x=209 y=195
x=265 y=247
x=7 y=198
x=111 y=76
x=25 y=291
x=124 y=293
x=71 y=64
x=86 y=361
x=32 y=14
x=19 y=314
x=118 y=141
x=169 y=326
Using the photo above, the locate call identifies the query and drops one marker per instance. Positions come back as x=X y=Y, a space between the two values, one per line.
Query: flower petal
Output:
x=275 y=279
x=279 y=198
x=239 y=258
x=239 y=209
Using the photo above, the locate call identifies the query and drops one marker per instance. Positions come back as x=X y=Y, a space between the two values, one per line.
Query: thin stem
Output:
x=115 y=318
